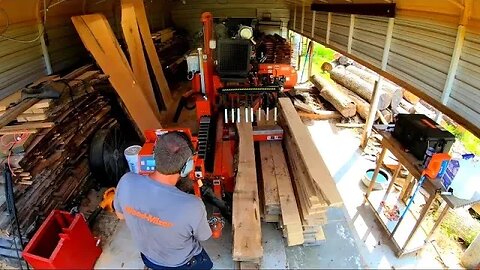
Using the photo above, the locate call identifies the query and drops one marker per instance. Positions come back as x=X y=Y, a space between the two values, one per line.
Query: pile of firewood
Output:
x=51 y=169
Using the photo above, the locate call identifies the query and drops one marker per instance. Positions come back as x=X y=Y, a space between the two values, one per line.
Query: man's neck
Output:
x=170 y=180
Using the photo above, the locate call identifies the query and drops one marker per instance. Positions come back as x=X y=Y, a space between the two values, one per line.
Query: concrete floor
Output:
x=353 y=238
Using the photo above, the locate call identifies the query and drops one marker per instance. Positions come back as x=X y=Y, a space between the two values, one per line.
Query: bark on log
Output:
x=337 y=98
x=359 y=86
x=396 y=92
x=363 y=107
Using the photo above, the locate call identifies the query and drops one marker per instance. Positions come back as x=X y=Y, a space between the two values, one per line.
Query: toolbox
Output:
x=417 y=132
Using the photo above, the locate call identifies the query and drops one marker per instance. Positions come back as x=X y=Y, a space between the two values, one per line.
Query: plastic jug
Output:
x=467 y=179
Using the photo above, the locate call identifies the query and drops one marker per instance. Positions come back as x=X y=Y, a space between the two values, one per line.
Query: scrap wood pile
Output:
x=350 y=90
x=50 y=166
x=297 y=186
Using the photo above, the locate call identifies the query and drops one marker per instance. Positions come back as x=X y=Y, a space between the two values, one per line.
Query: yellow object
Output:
x=107 y=202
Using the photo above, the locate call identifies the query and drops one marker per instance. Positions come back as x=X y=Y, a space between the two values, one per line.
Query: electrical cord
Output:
x=45 y=8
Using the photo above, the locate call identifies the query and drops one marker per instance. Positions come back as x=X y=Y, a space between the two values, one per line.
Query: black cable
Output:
x=12 y=210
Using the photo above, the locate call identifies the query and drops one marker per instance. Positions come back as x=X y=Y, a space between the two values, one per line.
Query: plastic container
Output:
x=466 y=181
x=63 y=241
x=131 y=155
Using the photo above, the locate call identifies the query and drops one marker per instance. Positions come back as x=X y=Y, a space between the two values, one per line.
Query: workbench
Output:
x=405 y=234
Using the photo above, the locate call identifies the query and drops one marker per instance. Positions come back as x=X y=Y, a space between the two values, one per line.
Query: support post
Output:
x=294 y=18
x=313 y=24
x=388 y=43
x=367 y=131
x=46 y=55
x=470 y=258
x=303 y=19
x=350 y=33
x=329 y=26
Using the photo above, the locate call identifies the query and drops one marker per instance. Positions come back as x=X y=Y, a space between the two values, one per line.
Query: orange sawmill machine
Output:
x=233 y=80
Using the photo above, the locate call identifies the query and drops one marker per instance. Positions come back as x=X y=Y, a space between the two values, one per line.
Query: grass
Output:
x=469 y=140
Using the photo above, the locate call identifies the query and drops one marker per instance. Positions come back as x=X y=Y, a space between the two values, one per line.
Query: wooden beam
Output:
x=315 y=166
x=137 y=57
x=98 y=38
x=12 y=113
x=376 y=9
x=247 y=234
x=152 y=52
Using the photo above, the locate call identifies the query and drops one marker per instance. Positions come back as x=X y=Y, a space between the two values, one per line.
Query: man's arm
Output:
x=203 y=231
x=116 y=202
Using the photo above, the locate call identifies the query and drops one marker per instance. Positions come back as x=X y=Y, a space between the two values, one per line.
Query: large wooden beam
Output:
x=98 y=38
x=135 y=49
x=152 y=52
x=314 y=164
x=247 y=234
x=270 y=186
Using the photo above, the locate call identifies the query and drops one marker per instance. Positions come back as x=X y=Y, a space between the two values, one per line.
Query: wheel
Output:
x=106 y=159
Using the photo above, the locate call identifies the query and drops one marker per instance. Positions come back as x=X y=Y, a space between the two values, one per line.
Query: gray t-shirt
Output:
x=166 y=223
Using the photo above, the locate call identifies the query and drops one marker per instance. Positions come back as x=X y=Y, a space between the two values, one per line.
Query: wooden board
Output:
x=99 y=39
x=314 y=164
x=270 y=187
x=152 y=52
x=290 y=215
x=135 y=49
x=247 y=235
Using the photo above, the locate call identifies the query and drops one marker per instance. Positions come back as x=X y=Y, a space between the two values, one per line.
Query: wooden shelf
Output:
x=406 y=225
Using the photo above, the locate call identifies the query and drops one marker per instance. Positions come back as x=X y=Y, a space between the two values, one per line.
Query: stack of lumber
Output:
x=313 y=184
x=52 y=170
x=34 y=113
x=247 y=234
x=278 y=190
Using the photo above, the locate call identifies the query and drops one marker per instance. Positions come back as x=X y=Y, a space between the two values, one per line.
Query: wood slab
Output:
x=314 y=164
x=270 y=187
x=247 y=235
x=98 y=38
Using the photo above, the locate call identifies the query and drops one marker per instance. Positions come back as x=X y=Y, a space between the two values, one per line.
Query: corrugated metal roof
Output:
x=21 y=62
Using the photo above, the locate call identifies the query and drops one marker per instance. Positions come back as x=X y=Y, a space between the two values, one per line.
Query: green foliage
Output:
x=321 y=54
x=469 y=140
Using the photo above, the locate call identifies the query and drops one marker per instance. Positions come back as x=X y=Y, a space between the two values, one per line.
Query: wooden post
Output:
x=350 y=33
x=471 y=258
x=375 y=173
x=329 y=27
x=373 y=110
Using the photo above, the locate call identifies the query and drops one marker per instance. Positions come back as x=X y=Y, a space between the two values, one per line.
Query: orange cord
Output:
x=17 y=138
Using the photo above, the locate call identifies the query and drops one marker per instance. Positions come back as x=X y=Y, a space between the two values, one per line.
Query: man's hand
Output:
x=120 y=215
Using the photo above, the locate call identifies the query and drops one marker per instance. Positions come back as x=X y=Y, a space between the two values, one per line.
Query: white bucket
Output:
x=131 y=155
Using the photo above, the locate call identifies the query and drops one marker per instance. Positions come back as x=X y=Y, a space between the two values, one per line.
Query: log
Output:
x=411 y=97
x=337 y=98
x=407 y=106
x=362 y=106
x=396 y=92
x=324 y=115
x=359 y=86
x=388 y=115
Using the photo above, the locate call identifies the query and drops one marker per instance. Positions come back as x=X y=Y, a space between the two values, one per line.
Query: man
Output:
x=166 y=224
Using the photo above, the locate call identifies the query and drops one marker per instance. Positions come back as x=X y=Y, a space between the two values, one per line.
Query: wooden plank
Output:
x=270 y=187
x=290 y=215
x=324 y=115
x=12 y=113
x=137 y=57
x=26 y=117
x=315 y=166
x=247 y=235
x=99 y=39
x=26 y=126
x=152 y=52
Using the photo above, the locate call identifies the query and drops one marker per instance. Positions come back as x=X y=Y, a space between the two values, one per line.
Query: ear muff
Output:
x=187 y=168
